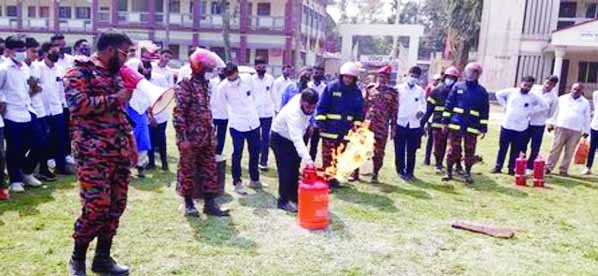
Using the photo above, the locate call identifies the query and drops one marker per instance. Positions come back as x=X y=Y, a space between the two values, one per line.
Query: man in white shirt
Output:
x=570 y=122
x=281 y=83
x=219 y=112
x=290 y=150
x=157 y=126
x=81 y=48
x=265 y=97
x=19 y=115
x=537 y=122
x=318 y=83
x=412 y=107
x=65 y=60
x=244 y=122
x=185 y=70
x=161 y=67
x=519 y=106
x=593 y=136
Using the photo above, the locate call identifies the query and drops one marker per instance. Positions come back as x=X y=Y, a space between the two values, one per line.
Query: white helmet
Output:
x=350 y=69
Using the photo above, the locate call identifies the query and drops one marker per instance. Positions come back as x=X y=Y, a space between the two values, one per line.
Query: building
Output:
x=258 y=27
x=539 y=38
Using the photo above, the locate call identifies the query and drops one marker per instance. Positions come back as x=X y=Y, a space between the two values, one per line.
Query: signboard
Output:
x=589 y=36
x=375 y=59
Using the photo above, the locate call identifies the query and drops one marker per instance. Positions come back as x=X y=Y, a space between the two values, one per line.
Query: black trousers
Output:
x=406 y=143
x=509 y=139
x=158 y=140
x=287 y=163
x=533 y=140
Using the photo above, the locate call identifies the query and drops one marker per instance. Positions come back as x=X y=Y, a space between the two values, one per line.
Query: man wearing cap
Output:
x=381 y=105
x=339 y=110
x=465 y=118
x=435 y=107
x=192 y=120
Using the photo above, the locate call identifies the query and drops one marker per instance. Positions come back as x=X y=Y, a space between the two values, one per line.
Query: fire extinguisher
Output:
x=520 y=165
x=539 y=171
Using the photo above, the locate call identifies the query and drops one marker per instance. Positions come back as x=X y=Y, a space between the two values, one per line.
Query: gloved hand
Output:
x=130 y=77
x=585 y=135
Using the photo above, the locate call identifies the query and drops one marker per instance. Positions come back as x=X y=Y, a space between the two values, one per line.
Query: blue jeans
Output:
x=533 y=139
x=158 y=140
x=406 y=143
x=221 y=125
x=509 y=139
x=593 y=147
x=265 y=125
x=253 y=143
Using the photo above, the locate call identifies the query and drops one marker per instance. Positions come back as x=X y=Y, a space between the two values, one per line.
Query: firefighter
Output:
x=192 y=120
x=465 y=118
x=340 y=108
x=435 y=108
x=381 y=110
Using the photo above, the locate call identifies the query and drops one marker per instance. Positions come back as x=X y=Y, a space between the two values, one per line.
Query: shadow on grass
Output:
x=26 y=203
x=445 y=188
x=353 y=195
x=387 y=188
x=219 y=232
x=153 y=181
x=573 y=181
x=261 y=201
x=484 y=183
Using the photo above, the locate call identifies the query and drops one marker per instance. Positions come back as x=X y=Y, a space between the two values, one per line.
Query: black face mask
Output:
x=318 y=78
x=524 y=91
x=53 y=57
x=260 y=73
x=221 y=76
x=114 y=64
x=304 y=79
x=84 y=51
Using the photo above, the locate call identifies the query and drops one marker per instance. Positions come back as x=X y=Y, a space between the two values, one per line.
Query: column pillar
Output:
x=114 y=13
x=242 y=56
x=196 y=20
x=152 y=19
x=94 y=16
x=288 y=31
x=19 y=15
x=559 y=54
x=54 y=25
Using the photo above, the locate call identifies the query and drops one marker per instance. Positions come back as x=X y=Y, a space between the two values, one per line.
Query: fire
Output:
x=359 y=149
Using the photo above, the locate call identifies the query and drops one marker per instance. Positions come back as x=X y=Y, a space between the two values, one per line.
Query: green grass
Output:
x=394 y=228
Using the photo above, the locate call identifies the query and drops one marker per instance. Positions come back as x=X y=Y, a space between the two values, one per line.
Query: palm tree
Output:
x=464 y=28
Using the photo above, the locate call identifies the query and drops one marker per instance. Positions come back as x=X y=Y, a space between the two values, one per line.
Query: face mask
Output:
x=304 y=78
x=318 y=78
x=524 y=91
x=260 y=73
x=114 y=65
x=411 y=81
x=221 y=76
x=53 y=57
x=286 y=74
x=20 y=56
x=84 y=51
x=449 y=82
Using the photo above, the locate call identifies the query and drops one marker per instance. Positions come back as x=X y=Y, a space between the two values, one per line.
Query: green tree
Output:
x=464 y=28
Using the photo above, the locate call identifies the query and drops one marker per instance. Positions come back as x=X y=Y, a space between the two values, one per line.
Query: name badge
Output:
x=267 y=88
x=459 y=91
x=337 y=94
x=248 y=93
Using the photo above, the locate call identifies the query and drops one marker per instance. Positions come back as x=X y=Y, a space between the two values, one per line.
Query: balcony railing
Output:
x=75 y=25
x=215 y=21
x=36 y=23
x=10 y=22
x=570 y=21
x=178 y=19
x=271 y=23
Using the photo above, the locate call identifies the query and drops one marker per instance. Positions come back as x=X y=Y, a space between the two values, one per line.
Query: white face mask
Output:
x=20 y=56
x=412 y=81
x=449 y=82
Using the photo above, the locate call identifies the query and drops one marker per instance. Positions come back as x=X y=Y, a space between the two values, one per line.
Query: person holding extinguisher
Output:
x=593 y=136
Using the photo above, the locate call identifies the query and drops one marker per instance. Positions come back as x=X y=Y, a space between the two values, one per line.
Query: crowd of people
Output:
x=52 y=102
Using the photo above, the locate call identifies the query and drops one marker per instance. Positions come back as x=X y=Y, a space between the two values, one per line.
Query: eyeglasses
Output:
x=122 y=52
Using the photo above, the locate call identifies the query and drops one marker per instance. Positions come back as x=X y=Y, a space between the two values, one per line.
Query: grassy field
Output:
x=393 y=228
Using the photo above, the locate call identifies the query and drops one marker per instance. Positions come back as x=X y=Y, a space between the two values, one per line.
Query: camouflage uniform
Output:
x=192 y=120
x=103 y=146
x=381 y=105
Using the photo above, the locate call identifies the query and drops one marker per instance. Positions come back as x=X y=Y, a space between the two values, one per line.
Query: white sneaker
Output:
x=69 y=159
x=529 y=172
x=586 y=171
x=17 y=187
x=51 y=164
x=256 y=185
x=240 y=189
x=30 y=180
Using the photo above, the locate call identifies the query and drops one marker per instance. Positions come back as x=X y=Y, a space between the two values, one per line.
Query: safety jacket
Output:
x=436 y=106
x=339 y=108
x=467 y=108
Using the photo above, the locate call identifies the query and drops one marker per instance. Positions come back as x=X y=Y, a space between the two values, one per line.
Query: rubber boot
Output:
x=103 y=263
x=211 y=208
x=76 y=264
x=467 y=176
x=190 y=209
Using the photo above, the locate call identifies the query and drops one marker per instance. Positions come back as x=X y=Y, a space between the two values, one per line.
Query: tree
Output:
x=434 y=17
x=225 y=7
x=464 y=28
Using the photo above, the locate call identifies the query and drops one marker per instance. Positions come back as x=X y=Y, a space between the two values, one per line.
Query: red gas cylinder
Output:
x=539 y=171
x=313 y=200
x=520 y=165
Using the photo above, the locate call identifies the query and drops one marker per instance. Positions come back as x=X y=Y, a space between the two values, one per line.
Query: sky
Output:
x=353 y=10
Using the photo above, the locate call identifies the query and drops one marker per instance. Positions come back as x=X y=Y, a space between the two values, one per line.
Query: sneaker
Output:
x=70 y=160
x=375 y=179
x=586 y=171
x=563 y=173
x=51 y=164
x=511 y=172
x=446 y=178
x=256 y=185
x=496 y=171
x=46 y=176
x=240 y=188
x=529 y=172
x=289 y=207
x=17 y=187
x=30 y=180
x=468 y=179
x=4 y=194
x=438 y=170
x=263 y=168
x=151 y=167
x=191 y=212
x=165 y=167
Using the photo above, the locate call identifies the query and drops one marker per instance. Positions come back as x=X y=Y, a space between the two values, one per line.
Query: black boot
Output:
x=103 y=263
x=190 y=209
x=211 y=208
x=140 y=172
x=467 y=176
x=77 y=261
x=449 y=173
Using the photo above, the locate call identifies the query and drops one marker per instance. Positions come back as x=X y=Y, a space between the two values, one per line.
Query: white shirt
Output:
x=551 y=99
x=242 y=112
x=67 y=62
x=184 y=72
x=37 y=101
x=594 y=124
x=165 y=71
x=411 y=101
x=264 y=95
x=14 y=88
x=280 y=85
x=519 y=107
x=291 y=124
x=319 y=88
x=217 y=106
x=133 y=63
x=573 y=114
x=50 y=80
x=160 y=81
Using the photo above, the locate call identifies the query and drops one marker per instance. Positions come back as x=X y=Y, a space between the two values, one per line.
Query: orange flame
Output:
x=359 y=149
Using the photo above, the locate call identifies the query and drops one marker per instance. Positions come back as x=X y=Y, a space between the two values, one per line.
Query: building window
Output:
x=263 y=53
x=588 y=72
x=592 y=11
x=11 y=11
x=216 y=8
x=176 y=50
x=219 y=51
x=64 y=12
x=247 y=56
x=104 y=14
x=31 y=11
x=263 y=9
x=568 y=9
x=123 y=5
x=174 y=6
x=44 y=12
x=83 y=12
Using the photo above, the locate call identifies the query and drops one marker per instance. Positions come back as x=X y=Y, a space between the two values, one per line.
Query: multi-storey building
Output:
x=539 y=38
x=257 y=27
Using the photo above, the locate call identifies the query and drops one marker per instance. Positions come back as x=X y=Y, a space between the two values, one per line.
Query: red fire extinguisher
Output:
x=539 y=171
x=313 y=200
x=520 y=165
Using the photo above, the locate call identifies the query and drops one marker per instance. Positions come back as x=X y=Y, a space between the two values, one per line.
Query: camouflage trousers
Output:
x=440 y=143
x=457 y=141
x=197 y=172
x=103 y=192
x=328 y=146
